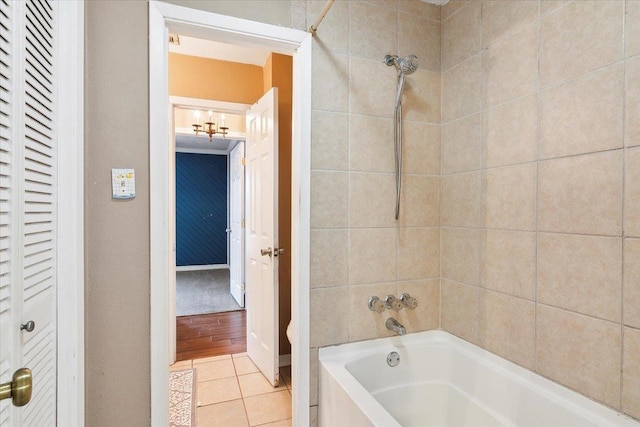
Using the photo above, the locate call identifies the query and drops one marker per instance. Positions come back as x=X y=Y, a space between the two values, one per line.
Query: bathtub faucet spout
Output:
x=395 y=326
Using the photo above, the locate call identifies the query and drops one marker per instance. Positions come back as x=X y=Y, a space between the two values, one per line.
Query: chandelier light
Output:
x=209 y=127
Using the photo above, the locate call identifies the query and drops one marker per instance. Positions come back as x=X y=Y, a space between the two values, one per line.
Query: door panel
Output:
x=262 y=235
x=236 y=215
x=28 y=159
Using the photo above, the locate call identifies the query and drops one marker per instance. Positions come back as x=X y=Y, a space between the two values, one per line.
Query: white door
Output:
x=262 y=234
x=28 y=157
x=236 y=217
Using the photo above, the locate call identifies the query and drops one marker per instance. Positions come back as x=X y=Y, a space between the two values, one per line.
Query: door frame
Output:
x=297 y=43
x=70 y=219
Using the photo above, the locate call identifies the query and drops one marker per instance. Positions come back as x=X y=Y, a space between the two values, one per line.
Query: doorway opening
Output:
x=165 y=18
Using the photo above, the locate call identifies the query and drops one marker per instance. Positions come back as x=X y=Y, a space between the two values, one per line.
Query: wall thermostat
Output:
x=124 y=183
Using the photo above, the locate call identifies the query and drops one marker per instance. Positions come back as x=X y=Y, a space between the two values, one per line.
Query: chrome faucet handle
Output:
x=408 y=301
x=376 y=304
x=393 y=303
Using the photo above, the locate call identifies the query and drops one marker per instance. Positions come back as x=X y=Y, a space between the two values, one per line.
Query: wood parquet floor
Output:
x=207 y=335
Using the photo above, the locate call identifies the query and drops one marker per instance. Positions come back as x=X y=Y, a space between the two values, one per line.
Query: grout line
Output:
x=537 y=203
x=624 y=163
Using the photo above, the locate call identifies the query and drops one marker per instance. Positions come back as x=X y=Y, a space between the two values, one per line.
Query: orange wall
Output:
x=214 y=79
x=278 y=72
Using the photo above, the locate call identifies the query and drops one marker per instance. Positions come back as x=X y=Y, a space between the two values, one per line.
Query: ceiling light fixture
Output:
x=209 y=127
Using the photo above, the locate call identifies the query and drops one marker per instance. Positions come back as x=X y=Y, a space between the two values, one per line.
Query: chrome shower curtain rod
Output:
x=326 y=8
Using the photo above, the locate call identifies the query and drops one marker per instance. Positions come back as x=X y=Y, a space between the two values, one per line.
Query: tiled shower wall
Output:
x=540 y=207
x=357 y=248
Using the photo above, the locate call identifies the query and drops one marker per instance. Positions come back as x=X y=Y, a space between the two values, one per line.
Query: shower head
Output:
x=407 y=65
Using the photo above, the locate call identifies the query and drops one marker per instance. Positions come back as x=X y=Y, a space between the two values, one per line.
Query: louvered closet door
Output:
x=28 y=205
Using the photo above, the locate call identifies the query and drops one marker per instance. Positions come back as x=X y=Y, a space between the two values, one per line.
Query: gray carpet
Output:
x=203 y=292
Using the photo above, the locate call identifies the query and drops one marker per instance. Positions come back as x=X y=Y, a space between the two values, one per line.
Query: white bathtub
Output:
x=442 y=380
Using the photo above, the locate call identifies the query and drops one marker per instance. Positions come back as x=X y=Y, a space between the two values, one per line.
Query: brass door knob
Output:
x=19 y=388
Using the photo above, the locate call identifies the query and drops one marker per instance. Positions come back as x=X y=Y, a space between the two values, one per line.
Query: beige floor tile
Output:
x=211 y=359
x=254 y=384
x=179 y=366
x=217 y=391
x=227 y=414
x=214 y=370
x=267 y=408
x=282 y=423
x=237 y=355
x=244 y=365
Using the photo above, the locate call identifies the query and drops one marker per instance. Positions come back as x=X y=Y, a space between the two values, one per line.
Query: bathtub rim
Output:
x=332 y=359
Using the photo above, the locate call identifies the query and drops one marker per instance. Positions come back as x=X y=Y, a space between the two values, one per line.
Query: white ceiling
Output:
x=222 y=51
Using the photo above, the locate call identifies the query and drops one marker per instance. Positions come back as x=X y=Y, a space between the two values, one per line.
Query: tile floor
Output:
x=231 y=392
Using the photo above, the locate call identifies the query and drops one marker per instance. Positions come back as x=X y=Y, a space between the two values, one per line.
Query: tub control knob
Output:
x=376 y=304
x=393 y=303
x=408 y=301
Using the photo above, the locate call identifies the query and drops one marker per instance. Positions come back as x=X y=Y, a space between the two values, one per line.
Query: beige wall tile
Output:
x=371 y=200
x=511 y=132
x=509 y=197
x=427 y=315
x=372 y=30
x=324 y=329
x=372 y=255
x=583 y=115
x=418 y=253
x=503 y=18
x=389 y=4
x=508 y=262
x=461 y=145
x=313 y=416
x=462 y=89
x=581 y=194
x=451 y=7
x=335 y=25
x=329 y=255
x=363 y=323
x=330 y=82
x=580 y=352
x=632 y=26
x=581 y=37
x=420 y=8
x=459 y=310
x=632 y=103
x=365 y=74
x=419 y=201
x=549 y=6
x=631 y=290
x=631 y=373
x=421 y=37
x=510 y=67
x=506 y=326
x=421 y=148
x=329 y=140
x=581 y=273
x=371 y=144
x=461 y=255
x=462 y=35
x=329 y=197
x=421 y=99
x=632 y=193
x=461 y=200
x=313 y=376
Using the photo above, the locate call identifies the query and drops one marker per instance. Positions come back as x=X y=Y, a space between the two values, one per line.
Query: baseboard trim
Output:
x=202 y=267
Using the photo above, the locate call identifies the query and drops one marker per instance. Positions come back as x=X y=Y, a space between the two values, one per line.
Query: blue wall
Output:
x=201 y=209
